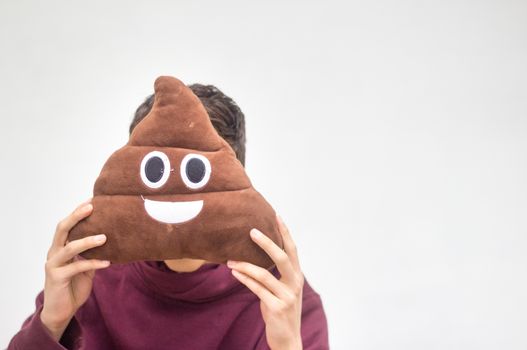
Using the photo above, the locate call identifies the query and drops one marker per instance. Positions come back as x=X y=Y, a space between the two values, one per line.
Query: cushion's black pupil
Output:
x=154 y=169
x=195 y=170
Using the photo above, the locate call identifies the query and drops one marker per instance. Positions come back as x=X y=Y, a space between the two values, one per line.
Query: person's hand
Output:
x=68 y=277
x=280 y=300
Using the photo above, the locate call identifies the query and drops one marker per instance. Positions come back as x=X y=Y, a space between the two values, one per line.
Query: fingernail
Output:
x=87 y=207
x=85 y=202
x=255 y=233
x=280 y=218
x=100 y=238
x=231 y=263
x=105 y=262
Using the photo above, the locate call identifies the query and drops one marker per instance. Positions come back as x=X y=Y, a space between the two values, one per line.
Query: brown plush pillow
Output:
x=176 y=190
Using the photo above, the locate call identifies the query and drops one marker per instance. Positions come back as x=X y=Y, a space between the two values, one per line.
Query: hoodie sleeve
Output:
x=34 y=335
x=314 y=326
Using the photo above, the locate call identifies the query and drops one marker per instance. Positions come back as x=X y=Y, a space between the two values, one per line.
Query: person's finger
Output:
x=261 y=275
x=65 y=225
x=79 y=266
x=280 y=258
x=289 y=244
x=73 y=248
x=261 y=292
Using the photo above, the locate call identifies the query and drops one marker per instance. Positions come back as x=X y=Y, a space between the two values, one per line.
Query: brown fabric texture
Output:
x=177 y=125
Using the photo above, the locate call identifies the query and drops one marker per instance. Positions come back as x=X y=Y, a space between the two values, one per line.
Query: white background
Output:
x=390 y=135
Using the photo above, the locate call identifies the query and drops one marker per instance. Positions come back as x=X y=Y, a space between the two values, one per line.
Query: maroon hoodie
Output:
x=145 y=305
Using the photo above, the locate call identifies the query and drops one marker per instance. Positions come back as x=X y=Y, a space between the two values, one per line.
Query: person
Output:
x=175 y=304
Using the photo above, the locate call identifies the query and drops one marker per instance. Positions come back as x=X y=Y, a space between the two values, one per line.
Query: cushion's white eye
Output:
x=195 y=170
x=155 y=169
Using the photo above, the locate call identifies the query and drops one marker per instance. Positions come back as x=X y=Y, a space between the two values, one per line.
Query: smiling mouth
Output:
x=173 y=212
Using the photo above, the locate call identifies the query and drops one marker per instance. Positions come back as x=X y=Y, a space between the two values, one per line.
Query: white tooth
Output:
x=173 y=212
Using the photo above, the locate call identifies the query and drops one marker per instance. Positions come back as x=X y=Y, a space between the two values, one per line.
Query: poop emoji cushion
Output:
x=176 y=190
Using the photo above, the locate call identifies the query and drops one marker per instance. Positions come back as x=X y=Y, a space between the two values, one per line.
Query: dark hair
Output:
x=225 y=115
